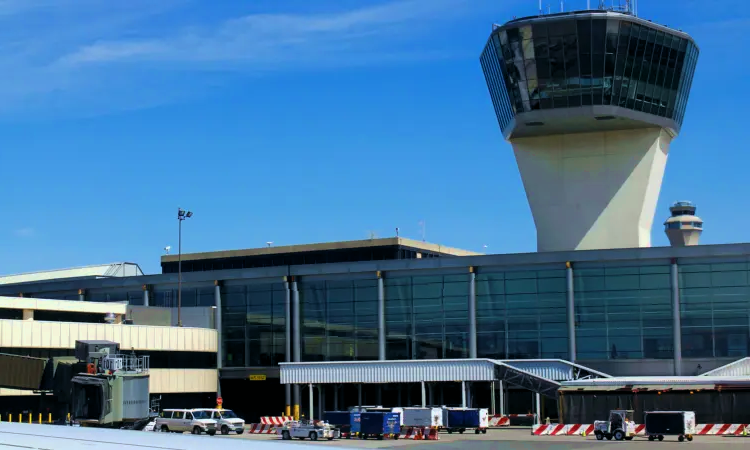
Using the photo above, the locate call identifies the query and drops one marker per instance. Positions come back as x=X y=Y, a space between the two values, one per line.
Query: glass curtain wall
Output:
x=253 y=322
x=426 y=317
x=714 y=310
x=589 y=61
x=623 y=312
x=521 y=314
x=339 y=320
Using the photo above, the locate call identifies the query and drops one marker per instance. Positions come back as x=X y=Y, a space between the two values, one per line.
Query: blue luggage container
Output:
x=340 y=420
x=380 y=424
x=355 y=421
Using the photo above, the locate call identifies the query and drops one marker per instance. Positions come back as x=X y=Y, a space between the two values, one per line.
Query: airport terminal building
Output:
x=618 y=311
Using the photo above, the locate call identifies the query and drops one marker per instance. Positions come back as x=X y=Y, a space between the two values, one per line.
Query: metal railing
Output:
x=127 y=363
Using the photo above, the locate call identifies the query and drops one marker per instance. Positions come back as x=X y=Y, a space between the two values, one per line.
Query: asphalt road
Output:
x=513 y=439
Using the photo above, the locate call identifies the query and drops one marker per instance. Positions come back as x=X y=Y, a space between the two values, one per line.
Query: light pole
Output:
x=181 y=215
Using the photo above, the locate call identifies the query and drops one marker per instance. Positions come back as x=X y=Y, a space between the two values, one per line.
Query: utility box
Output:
x=670 y=423
x=86 y=350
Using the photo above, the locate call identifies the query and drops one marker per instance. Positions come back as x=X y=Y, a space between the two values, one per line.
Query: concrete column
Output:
x=81 y=295
x=380 y=395
x=219 y=332
x=312 y=397
x=463 y=394
x=359 y=395
x=502 y=398
x=571 y=313
x=492 y=398
x=676 y=320
x=424 y=396
x=430 y=395
x=28 y=314
x=296 y=340
x=145 y=295
x=538 y=408
x=287 y=344
x=381 y=318
x=472 y=314
x=335 y=397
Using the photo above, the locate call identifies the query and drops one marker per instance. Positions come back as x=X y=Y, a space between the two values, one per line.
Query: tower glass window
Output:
x=593 y=59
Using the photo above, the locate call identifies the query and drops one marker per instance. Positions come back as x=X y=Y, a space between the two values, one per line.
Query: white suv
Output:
x=182 y=420
x=226 y=420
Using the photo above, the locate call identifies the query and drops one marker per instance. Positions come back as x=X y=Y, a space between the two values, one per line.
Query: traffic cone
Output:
x=584 y=433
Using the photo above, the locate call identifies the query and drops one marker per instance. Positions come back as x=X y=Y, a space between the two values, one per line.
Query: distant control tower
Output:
x=684 y=227
x=590 y=101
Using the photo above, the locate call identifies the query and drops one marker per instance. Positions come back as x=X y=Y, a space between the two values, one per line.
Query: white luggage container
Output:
x=422 y=417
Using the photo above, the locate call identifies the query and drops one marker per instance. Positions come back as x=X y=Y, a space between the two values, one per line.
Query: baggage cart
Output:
x=670 y=423
x=380 y=425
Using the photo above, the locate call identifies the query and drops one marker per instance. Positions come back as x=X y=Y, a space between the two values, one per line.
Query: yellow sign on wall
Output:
x=257 y=378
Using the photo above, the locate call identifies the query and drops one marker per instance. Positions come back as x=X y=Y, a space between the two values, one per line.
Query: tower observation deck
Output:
x=590 y=101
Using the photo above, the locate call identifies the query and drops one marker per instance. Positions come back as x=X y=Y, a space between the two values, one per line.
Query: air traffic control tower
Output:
x=590 y=101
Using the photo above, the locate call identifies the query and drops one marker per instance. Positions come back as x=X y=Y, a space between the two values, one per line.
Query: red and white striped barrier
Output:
x=640 y=429
x=722 y=429
x=420 y=433
x=504 y=421
x=259 y=428
x=279 y=420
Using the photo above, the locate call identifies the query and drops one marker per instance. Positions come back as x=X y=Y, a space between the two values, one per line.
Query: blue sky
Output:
x=301 y=121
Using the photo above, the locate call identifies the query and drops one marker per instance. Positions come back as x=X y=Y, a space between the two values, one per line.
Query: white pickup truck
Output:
x=306 y=429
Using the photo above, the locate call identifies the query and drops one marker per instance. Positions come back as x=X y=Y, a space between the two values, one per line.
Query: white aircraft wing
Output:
x=20 y=436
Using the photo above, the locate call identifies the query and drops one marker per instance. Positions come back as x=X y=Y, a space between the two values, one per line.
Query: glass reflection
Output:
x=589 y=61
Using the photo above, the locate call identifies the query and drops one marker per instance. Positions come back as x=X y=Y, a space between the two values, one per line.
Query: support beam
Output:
x=145 y=295
x=381 y=318
x=380 y=395
x=288 y=342
x=502 y=398
x=463 y=394
x=295 y=341
x=676 y=320
x=335 y=397
x=424 y=396
x=492 y=398
x=81 y=295
x=472 y=314
x=430 y=396
x=312 y=406
x=538 y=408
x=359 y=395
x=571 y=312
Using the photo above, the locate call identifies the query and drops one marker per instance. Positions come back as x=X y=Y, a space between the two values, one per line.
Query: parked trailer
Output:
x=380 y=425
x=462 y=419
x=670 y=423
x=422 y=417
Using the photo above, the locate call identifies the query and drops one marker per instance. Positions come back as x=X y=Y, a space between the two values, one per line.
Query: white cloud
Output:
x=98 y=56
x=24 y=232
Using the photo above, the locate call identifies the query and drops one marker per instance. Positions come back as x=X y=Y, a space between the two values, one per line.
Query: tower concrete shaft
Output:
x=593 y=190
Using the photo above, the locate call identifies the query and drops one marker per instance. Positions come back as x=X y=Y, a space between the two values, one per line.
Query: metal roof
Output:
x=540 y=376
x=407 y=371
x=741 y=367
x=554 y=369
x=122 y=269
x=323 y=246
x=666 y=382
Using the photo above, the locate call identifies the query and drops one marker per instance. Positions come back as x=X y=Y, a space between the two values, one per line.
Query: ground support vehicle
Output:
x=670 y=423
x=182 y=420
x=226 y=420
x=305 y=429
x=619 y=426
x=380 y=425
x=462 y=419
